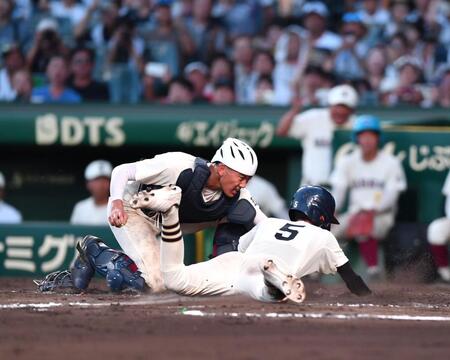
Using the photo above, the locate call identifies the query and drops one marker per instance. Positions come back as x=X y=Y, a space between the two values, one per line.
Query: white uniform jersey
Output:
x=86 y=212
x=315 y=129
x=373 y=185
x=446 y=192
x=302 y=247
x=164 y=169
x=9 y=214
x=267 y=197
x=438 y=232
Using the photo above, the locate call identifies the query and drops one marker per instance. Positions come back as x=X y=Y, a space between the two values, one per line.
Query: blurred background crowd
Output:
x=225 y=51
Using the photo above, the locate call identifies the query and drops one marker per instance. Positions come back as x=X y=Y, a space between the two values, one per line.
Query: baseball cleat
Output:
x=157 y=199
x=288 y=284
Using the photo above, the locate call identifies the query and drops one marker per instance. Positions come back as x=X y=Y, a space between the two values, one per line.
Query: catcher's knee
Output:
x=227 y=236
x=119 y=270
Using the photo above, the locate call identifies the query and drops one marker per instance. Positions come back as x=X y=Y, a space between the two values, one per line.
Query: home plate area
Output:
x=398 y=320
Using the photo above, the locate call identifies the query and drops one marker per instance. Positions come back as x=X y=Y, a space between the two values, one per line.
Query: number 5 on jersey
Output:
x=288 y=232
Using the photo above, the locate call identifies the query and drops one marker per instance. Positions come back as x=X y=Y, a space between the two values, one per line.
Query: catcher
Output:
x=213 y=194
x=373 y=180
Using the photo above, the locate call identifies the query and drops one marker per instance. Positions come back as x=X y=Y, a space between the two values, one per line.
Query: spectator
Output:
x=409 y=87
x=68 y=9
x=442 y=16
x=22 y=85
x=12 y=30
x=8 y=214
x=314 y=86
x=181 y=91
x=221 y=70
x=197 y=74
x=124 y=61
x=271 y=36
x=374 y=16
x=315 y=129
x=438 y=235
x=103 y=31
x=56 y=91
x=93 y=210
x=396 y=47
x=375 y=66
x=243 y=61
x=432 y=54
x=13 y=61
x=239 y=17
x=373 y=180
x=165 y=43
x=263 y=66
x=348 y=58
x=315 y=15
x=399 y=11
x=156 y=81
x=267 y=197
x=287 y=67
x=264 y=91
x=47 y=44
x=206 y=33
x=82 y=27
x=441 y=94
x=82 y=65
x=223 y=93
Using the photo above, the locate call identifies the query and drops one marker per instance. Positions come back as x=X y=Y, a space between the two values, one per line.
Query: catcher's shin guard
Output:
x=119 y=270
x=81 y=273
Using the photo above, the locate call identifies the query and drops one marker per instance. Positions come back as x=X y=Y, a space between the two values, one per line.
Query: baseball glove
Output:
x=361 y=224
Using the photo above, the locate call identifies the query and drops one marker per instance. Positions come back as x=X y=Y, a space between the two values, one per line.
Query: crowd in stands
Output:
x=225 y=51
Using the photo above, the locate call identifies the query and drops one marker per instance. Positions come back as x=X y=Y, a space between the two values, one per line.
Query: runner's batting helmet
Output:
x=316 y=203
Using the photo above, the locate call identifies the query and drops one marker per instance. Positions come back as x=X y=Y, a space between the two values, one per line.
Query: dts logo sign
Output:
x=71 y=130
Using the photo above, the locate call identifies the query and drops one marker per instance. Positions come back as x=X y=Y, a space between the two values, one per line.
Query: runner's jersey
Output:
x=303 y=247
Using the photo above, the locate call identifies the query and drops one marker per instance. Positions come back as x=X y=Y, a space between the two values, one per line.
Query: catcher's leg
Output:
x=118 y=269
x=138 y=238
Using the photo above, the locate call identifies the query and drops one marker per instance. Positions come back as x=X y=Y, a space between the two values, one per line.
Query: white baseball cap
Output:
x=315 y=7
x=343 y=95
x=2 y=181
x=196 y=65
x=47 y=24
x=98 y=168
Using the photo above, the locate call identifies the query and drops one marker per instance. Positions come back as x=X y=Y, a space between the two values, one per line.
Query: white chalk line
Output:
x=85 y=304
x=193 y=310
x=311 y=315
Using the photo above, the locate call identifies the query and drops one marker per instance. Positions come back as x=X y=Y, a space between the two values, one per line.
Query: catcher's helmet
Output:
x=365 y=123
x=316 y=203
x=237 y=155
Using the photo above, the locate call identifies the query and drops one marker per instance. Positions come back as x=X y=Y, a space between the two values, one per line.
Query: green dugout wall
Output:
x=44 y=150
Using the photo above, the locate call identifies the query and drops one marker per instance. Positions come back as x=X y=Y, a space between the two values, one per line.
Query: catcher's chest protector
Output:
x=193 y=209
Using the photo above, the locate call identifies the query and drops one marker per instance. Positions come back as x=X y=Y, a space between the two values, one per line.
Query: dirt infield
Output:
x=398 y=321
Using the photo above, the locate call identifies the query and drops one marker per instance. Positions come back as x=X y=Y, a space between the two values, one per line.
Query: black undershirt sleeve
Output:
x=353 y=281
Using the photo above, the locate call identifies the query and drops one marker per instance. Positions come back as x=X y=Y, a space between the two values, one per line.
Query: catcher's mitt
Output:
x=56 y=281
x=361 y=224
